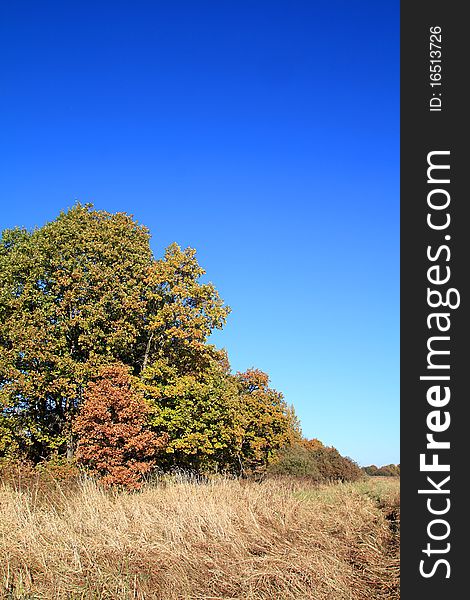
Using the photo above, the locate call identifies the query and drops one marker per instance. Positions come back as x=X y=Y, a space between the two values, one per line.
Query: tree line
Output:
x=105 y=357
x=391 y=470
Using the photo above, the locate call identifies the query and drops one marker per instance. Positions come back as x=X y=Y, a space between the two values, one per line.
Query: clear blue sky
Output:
x=263 y=133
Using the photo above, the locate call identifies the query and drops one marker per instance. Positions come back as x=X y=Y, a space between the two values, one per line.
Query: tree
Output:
x=84 y=292
x=313 y=444
x=199 y=413
x=312 y=459
x=182 y=313
x=266 y=424
x=71 y=299
x=384 y=471
x=334 y=466
x=295 y=461
x=114 y=440
x=186 y=378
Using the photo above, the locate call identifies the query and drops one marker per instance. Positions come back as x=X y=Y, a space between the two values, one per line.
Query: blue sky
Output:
x=263 y=134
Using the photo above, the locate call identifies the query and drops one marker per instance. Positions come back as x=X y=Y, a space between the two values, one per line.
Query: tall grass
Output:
x=222 y=539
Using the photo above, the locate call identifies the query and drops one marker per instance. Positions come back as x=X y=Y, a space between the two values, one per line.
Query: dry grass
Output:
x=220 y=540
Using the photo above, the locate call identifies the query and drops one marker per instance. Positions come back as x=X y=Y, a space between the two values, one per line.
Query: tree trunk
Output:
x=69 y=448
x=147 y=352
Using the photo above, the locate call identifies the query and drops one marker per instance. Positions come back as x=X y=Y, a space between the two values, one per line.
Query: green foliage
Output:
x=182 y=313
x=185 y=378
x=92 y=325
x=312 y=459
x=42 y=477
x=333 y=466
x=296 y=461
x=71 y=299
x=384 y=471
x=266 y=424
x=9 y=447
x=198 y=412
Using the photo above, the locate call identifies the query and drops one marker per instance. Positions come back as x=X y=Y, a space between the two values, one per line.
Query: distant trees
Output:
x=104 y=356
x=311 y=459
x=384 y=471
x=296 y=461
x=333 y=466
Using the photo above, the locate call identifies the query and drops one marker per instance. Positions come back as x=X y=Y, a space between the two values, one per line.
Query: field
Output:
x=223 y=539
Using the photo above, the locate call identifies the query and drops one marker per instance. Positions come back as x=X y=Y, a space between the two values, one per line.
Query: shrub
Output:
x=384 y=471
x=113 y=439
x=316 y=461
x=333 y=466
x=296 y=461
x=370 y=470
x=15 y=472
x=58 y=468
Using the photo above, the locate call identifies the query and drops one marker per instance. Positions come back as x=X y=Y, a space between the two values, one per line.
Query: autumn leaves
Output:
x=104 y=354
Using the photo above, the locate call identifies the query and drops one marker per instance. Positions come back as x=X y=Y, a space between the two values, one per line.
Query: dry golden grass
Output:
x=221 y=540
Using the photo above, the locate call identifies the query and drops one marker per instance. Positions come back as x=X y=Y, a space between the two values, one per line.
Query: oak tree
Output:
x=114 y=440
x=84 y=292
x=266 y=425
x=71 y=299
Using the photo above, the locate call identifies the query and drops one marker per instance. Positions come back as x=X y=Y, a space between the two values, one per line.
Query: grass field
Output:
x=224 y=539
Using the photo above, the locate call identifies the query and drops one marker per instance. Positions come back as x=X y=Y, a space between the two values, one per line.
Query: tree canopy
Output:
x=83 y=303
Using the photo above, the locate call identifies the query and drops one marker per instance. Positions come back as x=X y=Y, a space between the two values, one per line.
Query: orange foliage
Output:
x=313 y=444
x=113 y=440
